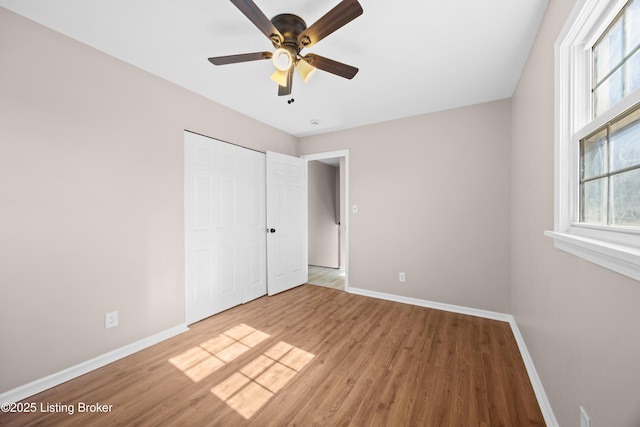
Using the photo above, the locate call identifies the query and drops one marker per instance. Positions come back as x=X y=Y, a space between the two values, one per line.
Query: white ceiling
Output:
x=414 y=56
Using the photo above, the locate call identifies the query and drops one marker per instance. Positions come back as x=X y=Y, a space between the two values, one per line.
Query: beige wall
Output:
x=91 y=215
x=432 y=194
x=323 y=198
x=580 y=321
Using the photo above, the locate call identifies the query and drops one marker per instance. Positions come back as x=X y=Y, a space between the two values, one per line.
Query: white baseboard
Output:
x=58 y=378
x=541 y=396
x=493 y=315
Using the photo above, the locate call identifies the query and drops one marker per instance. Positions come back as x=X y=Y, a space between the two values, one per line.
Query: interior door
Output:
x=286 y=222
x=225 y=241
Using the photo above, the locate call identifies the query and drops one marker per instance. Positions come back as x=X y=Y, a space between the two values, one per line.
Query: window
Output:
x=597 y=144
x=610 y=157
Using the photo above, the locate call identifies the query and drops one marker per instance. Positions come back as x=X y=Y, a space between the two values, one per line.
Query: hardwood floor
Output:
x=328 y=277
x=310 y=356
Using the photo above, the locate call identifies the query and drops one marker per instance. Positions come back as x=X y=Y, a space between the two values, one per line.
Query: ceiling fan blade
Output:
x=243 y=57
x=331 y=66
x=286 y=90
x=255 y=15
x=345 y=12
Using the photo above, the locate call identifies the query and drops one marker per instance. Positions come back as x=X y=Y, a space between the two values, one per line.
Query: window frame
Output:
x=613 y=247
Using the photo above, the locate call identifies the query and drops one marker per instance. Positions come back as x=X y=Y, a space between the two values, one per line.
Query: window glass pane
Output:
x=594 y=155
x=594 y=201
x=608 y=53
x=625 y=143
x=609 y=92
x=632 y=73
x=625 y=206
x=632 y=25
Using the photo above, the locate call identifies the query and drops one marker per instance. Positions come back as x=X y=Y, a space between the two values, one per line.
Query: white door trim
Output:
x=332 y=155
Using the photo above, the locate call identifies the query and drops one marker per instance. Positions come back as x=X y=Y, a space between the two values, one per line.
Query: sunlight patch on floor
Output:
x=201 y=361
x=247 y=390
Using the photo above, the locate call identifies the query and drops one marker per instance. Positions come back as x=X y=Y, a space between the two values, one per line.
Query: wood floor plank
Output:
x=311 y=356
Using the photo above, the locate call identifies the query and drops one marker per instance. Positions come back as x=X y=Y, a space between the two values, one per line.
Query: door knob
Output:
x=271 y=230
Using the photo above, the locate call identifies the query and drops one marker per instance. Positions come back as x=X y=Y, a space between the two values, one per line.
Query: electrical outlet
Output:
x=111 y=319
x=402 y=277
x=585 y=421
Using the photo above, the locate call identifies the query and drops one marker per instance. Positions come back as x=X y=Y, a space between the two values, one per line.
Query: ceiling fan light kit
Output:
x=305 y=70
x=280 y=77
x=289 y=34
x=282 y=59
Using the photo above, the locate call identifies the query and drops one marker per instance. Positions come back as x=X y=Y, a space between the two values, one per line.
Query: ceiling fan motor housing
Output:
x=290 y=26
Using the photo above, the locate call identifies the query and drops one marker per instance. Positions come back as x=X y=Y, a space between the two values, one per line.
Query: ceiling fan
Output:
x=289 y=35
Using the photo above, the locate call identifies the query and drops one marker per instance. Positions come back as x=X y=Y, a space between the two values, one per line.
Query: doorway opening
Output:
x=328 y=218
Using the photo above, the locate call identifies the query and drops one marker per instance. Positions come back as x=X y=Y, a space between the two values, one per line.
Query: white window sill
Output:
x=614 y=256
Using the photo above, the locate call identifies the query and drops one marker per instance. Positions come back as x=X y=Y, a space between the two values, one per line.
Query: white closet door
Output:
x=224 y=226
x=286 y=222
x=253 y=264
